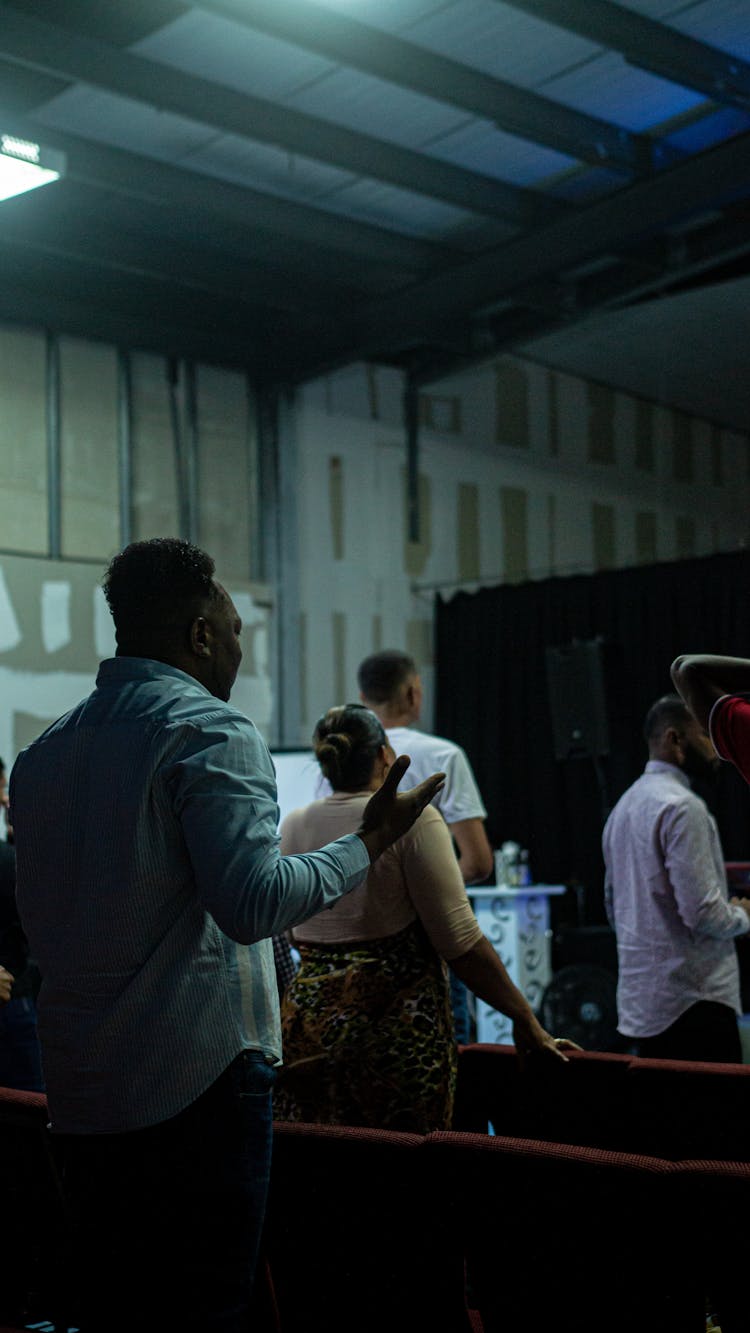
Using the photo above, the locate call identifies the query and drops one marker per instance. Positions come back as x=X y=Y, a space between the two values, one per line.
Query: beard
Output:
x=699 y=767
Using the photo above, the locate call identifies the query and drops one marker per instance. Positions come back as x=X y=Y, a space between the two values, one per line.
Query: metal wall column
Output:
x=411 y=420
x=54 y=468
x=277 y=459
x=125 y=445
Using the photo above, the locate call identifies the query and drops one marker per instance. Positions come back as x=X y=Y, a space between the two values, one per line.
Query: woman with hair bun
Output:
x=367 y=1024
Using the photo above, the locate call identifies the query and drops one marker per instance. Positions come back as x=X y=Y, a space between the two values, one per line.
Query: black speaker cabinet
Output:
x=577 y=699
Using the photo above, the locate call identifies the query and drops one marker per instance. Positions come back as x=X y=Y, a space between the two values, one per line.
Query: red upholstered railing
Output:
x=664 y=1108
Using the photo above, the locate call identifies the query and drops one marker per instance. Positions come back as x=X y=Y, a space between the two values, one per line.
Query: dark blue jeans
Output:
x=167 y=1220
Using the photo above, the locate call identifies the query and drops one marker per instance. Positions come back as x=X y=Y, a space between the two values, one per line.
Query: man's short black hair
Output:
x=381 y=675
x=669 y=711
x=153 y=587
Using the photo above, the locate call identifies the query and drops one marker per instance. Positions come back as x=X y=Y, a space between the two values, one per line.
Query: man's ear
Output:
x=674 y=737
x=200 y=637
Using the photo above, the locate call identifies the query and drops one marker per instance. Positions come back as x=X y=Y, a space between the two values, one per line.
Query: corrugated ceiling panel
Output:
x=711 y=17
x=230 y=53
x=654 y=9
x=481 y=147
x=585 y=185
x=117 y=120
x=723 y=23
x=261 y=167
x=616 y=91
x=141 y=129
x=378 y=108
x=501 y=41
x=388 y=206
x=713 y=129
x=391 y=15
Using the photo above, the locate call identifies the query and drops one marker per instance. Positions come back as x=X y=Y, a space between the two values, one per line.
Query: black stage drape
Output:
x=492 y=698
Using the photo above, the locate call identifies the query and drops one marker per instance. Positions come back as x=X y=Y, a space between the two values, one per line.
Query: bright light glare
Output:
x=20 y=167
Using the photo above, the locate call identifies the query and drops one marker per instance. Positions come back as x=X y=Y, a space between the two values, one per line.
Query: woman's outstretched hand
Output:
x=530 y=1038
x=388 y=814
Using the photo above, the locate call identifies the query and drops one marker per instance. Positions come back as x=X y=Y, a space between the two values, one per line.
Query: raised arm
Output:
x=701 y=679
x=221 y=786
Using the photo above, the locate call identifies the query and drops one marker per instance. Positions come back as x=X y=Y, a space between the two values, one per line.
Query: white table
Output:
x=516 y=923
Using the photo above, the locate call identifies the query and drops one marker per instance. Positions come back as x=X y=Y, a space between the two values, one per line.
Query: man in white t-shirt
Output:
x=389 y=684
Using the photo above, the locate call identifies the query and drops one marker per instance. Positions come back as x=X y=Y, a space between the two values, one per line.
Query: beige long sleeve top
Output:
x=417 y=877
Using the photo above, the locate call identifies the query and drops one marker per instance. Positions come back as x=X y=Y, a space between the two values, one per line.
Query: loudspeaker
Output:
x=577 y=700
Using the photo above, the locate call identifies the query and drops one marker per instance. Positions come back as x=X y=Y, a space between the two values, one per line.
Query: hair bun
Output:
x=337 y=743
x=346 y=742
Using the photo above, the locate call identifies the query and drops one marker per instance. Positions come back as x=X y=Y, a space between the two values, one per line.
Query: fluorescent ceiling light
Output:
x=24 y=165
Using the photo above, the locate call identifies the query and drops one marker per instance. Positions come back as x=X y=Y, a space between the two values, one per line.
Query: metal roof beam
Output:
x=30 y=41
x=243 y=212
x=68 y=230
x=651 y=45
x=66 y=273
x=526 y=114
x=67 y=311
x=470 y=290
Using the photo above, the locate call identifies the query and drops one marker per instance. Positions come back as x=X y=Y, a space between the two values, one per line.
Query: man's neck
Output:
x=392 y=717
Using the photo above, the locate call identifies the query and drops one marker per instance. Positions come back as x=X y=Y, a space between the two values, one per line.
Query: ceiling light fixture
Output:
x=24 y=165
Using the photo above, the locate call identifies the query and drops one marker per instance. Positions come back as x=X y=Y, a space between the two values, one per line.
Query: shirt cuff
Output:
x=353 y=857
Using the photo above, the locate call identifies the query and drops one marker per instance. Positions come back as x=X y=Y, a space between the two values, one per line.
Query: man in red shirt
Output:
x=717 y=692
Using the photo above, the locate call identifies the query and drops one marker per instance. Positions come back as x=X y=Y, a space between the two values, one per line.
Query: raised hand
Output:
x=388 y=815
x=744 y=903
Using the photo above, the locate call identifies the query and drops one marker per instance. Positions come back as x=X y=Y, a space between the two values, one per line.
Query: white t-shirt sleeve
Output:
x=460 y=797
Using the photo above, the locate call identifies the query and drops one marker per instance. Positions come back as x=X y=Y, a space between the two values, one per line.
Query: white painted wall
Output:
x=355 y=416
x=377 y=591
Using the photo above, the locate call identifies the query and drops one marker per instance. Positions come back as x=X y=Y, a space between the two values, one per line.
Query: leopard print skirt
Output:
x=368 y=1036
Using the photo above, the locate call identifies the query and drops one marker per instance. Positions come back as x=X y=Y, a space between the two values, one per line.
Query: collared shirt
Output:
x=149 y=884
x=667 y=900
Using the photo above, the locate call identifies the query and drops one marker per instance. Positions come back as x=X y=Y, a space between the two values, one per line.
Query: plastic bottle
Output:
x=510 y=851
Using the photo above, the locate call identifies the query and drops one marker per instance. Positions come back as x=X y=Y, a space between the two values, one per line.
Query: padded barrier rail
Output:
x=465 y=1232
x=674 y=1109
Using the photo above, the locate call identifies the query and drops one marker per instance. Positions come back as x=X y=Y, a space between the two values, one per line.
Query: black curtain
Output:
x=492 y=698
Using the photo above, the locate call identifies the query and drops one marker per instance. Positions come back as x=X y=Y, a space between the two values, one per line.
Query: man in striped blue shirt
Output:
x=149 y=885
